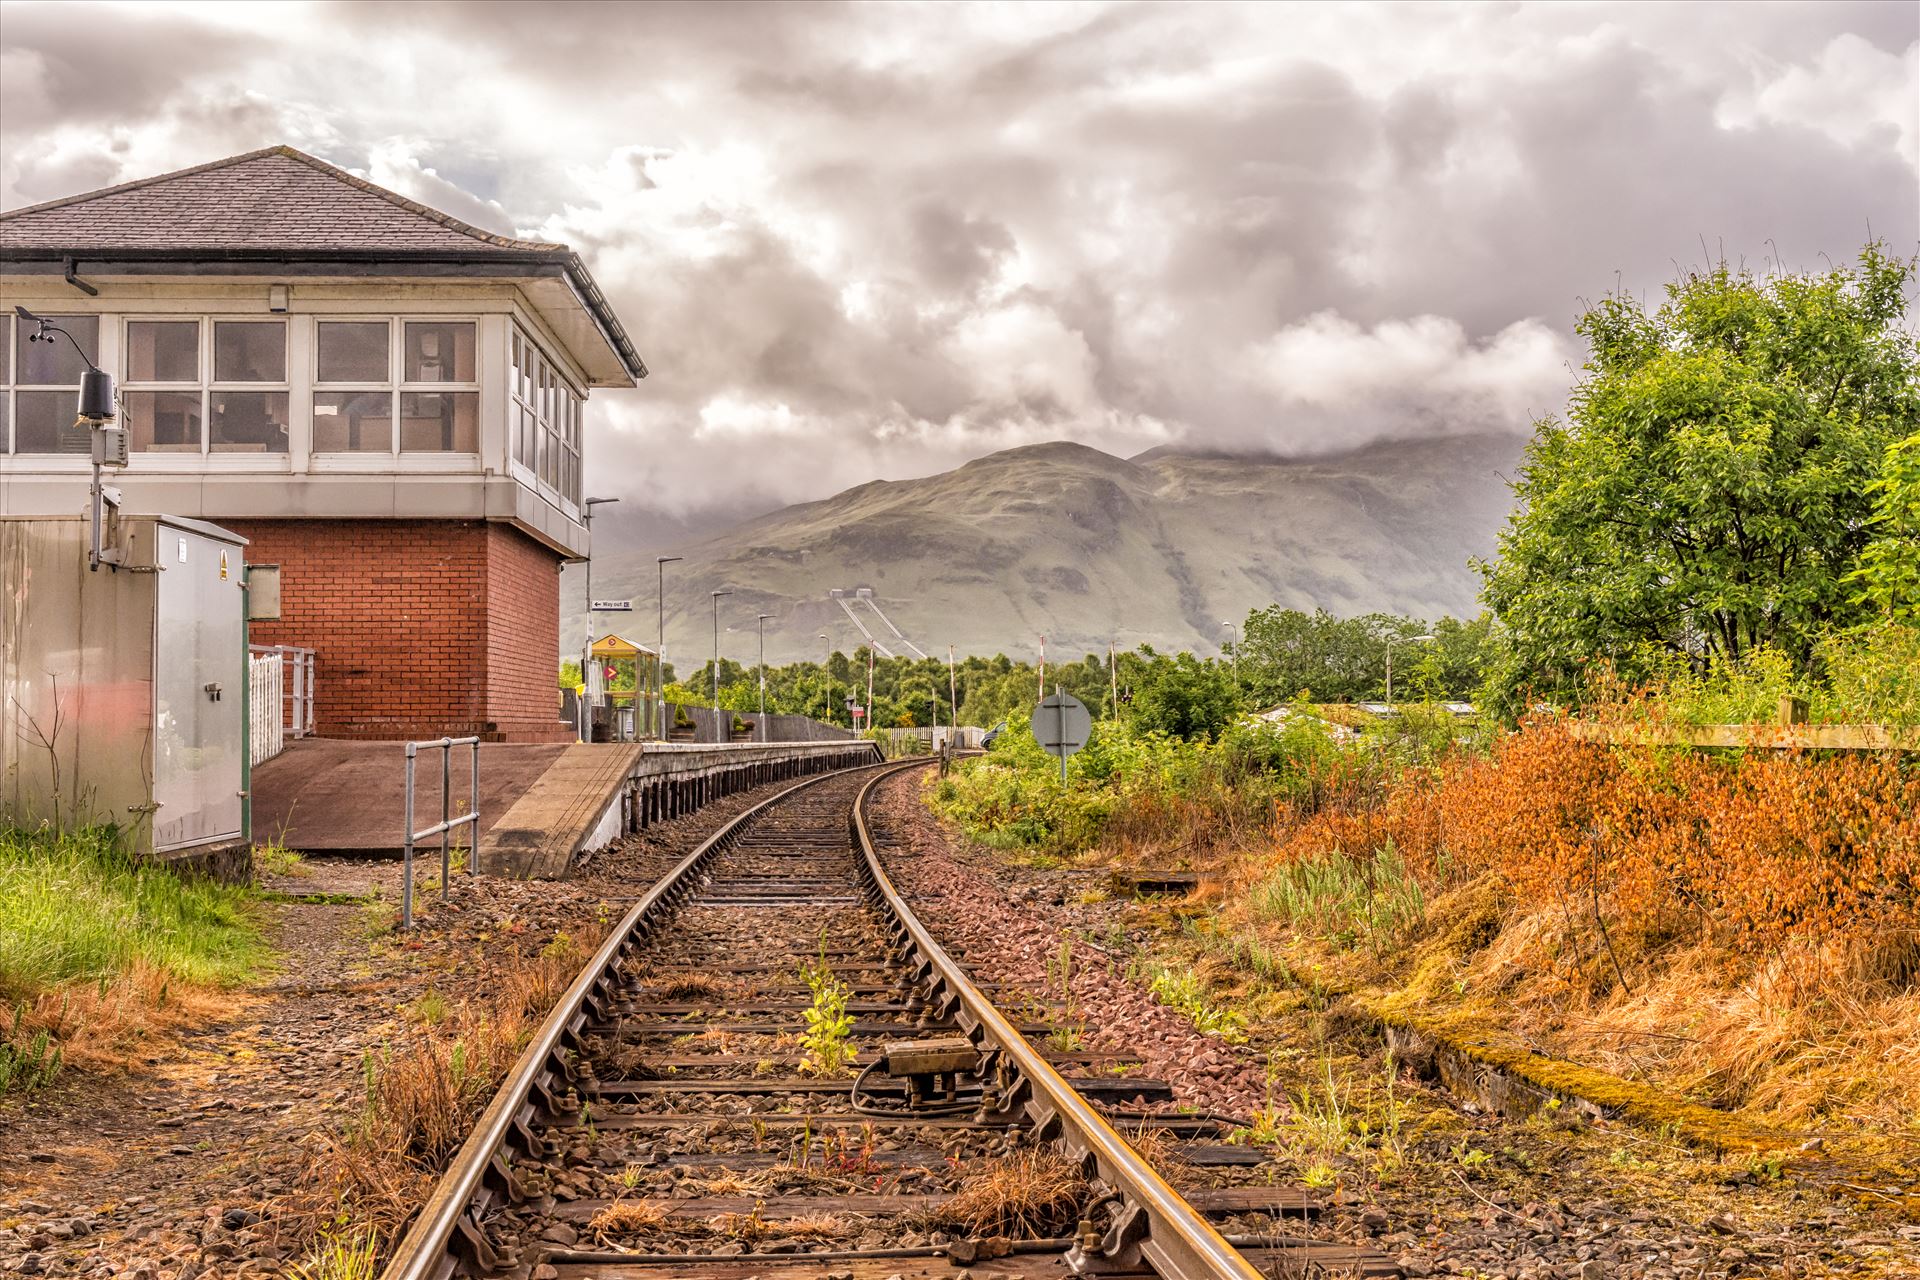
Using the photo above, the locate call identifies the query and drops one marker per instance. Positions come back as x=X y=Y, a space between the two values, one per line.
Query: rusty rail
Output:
x=446 y=1232
x=1157 y=1225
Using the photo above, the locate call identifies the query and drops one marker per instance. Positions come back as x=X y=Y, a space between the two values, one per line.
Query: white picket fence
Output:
x=266 y=681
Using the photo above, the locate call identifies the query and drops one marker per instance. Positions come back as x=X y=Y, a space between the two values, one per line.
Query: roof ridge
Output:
x=412 y=206
x=137 y=183
x=319 y=166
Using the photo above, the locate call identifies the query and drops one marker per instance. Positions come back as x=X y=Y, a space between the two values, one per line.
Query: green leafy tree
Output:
x=1709 y=492
x=1889 y=571
x=1286 y=653
x=1184 y=697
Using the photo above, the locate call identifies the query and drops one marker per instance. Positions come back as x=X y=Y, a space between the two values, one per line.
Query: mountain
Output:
x=1068 y=542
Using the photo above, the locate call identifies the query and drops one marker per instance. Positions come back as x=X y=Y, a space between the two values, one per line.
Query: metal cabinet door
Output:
x=199 y=663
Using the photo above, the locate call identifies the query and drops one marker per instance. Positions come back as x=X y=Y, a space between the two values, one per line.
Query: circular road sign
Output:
x=1061 y=724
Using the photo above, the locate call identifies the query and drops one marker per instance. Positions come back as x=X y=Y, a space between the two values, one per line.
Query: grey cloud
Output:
x=859 y=240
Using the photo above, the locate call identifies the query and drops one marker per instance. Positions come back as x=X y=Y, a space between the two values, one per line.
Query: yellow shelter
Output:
x=607 y=655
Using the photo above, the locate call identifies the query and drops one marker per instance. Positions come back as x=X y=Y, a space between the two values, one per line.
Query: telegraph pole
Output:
x=716 y=652
x=762 y=620
x=660 y=658
x=826 y=669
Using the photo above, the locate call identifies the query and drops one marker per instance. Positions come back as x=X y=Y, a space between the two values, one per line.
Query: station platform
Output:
x=348 y=796
x=540 y=804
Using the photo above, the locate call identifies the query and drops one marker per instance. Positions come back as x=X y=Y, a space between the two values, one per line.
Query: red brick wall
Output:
x=420 y=627
x=523 y=636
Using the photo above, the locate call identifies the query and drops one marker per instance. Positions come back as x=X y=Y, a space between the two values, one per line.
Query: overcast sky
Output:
x=874 y=241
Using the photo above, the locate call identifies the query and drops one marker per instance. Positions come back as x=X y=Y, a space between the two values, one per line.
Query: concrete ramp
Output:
x=537 y=837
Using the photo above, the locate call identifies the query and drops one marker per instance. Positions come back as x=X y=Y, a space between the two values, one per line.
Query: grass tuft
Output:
x=1029 y=1194
x=628 y=1215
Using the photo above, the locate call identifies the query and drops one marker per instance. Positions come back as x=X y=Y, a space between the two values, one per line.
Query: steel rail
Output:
x=1155 y=1224
x=427 y=1251
x=1167 y=1232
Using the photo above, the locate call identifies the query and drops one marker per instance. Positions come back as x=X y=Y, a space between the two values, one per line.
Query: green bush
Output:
x=1870 y=676
x=1150 y=787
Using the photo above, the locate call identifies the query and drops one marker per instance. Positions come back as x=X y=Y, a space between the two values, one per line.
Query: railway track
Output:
x=659 y=1124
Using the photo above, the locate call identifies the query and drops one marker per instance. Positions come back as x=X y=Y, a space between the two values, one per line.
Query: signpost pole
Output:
x=1060 y=718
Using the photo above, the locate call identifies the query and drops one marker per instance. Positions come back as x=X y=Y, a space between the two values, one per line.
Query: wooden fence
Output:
x=1789 y=732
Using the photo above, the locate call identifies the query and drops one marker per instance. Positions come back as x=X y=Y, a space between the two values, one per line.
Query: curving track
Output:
x=657 y=1126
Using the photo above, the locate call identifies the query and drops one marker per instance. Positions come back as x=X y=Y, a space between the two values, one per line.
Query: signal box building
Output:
x=383 y=400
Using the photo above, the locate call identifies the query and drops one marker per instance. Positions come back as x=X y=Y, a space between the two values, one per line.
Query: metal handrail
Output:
x=423 y=1253
x=444 y=827
x=1178 y=1242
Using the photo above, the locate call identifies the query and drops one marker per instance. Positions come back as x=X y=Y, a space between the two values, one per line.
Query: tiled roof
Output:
x=276 y=200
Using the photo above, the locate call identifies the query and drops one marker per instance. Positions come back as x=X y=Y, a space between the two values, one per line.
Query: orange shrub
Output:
x=1750 y=848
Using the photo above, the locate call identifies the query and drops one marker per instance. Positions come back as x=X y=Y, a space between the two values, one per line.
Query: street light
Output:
x=762 y=621
x=107 y=444
x=660 y=659
x=1410 y=640
x=586 y=650
x=1234 y=649
x=826 y=669
x=716 y=651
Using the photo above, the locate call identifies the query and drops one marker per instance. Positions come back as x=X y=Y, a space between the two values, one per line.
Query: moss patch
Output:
x=1481 y=1041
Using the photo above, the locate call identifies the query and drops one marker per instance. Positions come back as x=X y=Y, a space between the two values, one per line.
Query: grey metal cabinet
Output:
x=123 y=693
x=199 y=647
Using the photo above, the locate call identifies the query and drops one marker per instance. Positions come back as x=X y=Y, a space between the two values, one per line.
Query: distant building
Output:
x=385 y=401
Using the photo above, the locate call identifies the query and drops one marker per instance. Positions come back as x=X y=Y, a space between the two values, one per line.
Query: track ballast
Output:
x=661 y=1123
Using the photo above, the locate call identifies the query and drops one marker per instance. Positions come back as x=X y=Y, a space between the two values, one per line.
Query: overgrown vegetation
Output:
x=1750 y=915
x=422 y=1092
x=1032 y=1194
x=99 y=952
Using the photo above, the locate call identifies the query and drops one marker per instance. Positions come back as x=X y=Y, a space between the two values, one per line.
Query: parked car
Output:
x=993 y=735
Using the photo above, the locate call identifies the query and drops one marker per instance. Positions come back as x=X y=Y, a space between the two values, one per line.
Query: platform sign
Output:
x=1061 y=725
x=613 y=606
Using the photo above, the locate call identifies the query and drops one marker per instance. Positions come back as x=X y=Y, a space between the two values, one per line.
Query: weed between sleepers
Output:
x=828 y=1039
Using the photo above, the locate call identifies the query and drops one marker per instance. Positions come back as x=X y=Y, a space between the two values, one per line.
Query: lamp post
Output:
x=586 y=650
x=1410 y=640
x=660 y=563
x=826 y=669
x=97 y=408
x=716 y=652
x=1234 y=650
x=762 y=621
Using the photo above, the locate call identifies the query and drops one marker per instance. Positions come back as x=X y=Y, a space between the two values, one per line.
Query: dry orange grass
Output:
x=628 y=1216
x=423 y=1093
x=109 y=1025
x=813 y=1226
x=1744 y=929
x=1160 y=1149
x=1032 y=1193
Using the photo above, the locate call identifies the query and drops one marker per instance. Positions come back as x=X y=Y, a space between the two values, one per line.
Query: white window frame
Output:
x=6 y=384
x=207 y=457
x=13 y=385
x=556 y=404
x=203 y=353
x=395 y=387
x=317 y=388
